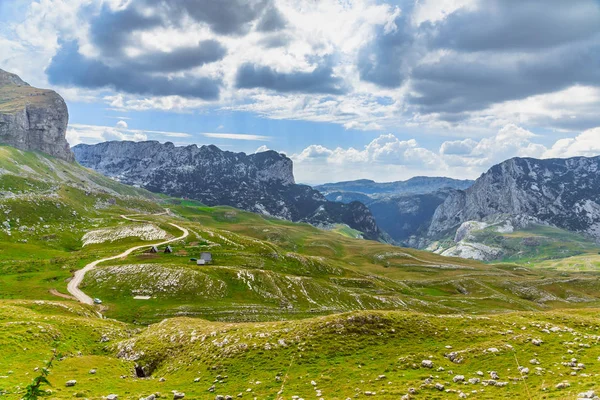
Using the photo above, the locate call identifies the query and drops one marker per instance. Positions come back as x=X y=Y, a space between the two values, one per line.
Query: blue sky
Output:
x=348 y=89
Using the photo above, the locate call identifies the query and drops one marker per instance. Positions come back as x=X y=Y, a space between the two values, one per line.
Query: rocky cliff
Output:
x=262 y=182
x=560 y=192
x=33 y=119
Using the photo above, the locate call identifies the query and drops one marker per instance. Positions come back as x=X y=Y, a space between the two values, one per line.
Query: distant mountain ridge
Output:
x=416 y=185
x=402 y=209
x=560 y=192
x=261 y=182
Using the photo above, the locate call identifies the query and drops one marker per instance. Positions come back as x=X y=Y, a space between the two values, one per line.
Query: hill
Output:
x=282 y=305
x=385 y=354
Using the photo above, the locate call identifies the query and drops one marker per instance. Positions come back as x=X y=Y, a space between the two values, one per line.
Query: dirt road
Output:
x=73 y=286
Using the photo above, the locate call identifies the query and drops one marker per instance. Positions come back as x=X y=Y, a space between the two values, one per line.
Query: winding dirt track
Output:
x=73 y=286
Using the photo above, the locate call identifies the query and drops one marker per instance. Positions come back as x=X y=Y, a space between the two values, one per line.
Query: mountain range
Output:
x=263 y=182
x=402 y=209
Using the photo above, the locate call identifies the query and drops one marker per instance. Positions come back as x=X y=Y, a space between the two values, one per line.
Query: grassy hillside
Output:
x=533 y=245
x=282 y=305
x=334 y=357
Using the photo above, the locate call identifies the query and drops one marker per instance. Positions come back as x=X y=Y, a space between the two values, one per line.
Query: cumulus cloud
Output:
x=70 y=68
x=80 y=133
x=385 y=149
x=449 y=64
x=320 y=80
x=387 y=158
x=92 y=134
x=585 y=144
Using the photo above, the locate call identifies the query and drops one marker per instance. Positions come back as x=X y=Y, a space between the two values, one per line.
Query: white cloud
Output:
x=262 y=149
x=388 y=158
x=384 y=158
x=122 y=124
x=80 y=133
x=586 y=144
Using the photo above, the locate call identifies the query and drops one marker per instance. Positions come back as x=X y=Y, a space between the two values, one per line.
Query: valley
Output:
x=282 y=306
x=139 y=292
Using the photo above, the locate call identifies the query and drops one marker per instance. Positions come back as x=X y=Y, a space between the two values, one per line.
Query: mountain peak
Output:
x=33 y=119
x=560 y=192
x=8 y=78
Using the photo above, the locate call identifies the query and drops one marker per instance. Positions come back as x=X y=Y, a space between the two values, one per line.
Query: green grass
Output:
x=281 y=299
x=345 y=354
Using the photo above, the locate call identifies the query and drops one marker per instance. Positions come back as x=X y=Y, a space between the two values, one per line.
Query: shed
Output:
x=153 y=249
x=168 y=249
x=207 y=257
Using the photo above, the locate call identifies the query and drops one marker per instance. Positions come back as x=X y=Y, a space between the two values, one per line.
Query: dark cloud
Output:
x=180 y=59
x=272 y=20
x=506 y=25
x=111 y=30
x=321 y=80
x=457 y=83
x=499 y=50
x=386 y=60
x=69 y=68
x=383 y=61
x=225 y=17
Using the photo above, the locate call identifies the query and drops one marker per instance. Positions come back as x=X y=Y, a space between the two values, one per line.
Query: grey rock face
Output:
x=33 y=119
x=262 y=182
x=561 y=192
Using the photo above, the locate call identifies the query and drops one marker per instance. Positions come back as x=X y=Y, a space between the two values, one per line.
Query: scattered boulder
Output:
x=524 y=370
x=427 y=363
x=534 y=361
x=92 y=372
x=439 y=386
x=590 y=394
x=459 y=378
x=494 y=375
x=71 y=383
x=474 y=381
x=112 y=397
x=537 y=342
x=178 y=395
x=563 y=385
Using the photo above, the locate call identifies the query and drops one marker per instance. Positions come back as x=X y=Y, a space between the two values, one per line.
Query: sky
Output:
x=349 y=89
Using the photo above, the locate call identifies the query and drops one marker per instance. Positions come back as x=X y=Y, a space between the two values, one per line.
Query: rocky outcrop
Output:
x=262 y=182
x=33 y=119
x=560 y=192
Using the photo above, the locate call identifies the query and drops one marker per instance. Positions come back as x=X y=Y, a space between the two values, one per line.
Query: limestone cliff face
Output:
x=561 y=192
x=262 y=182
x=33 y=119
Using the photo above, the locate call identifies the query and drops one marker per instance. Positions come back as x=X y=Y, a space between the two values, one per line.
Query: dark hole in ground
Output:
x=139 y=372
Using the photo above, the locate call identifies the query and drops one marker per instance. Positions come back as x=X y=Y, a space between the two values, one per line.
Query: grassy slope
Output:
x=345 y=355
x=265 y=269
